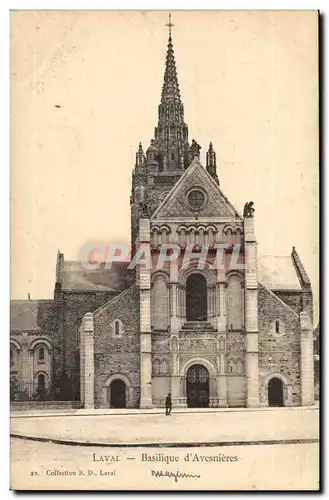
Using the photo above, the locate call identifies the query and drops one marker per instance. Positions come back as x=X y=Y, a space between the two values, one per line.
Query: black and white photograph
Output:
x=164 y=309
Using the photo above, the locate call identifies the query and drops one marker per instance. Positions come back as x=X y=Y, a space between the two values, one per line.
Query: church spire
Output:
x=171 y=134
x=170 y=89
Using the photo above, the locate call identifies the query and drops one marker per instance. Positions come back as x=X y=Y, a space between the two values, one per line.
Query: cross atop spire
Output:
x=170 y=89
x=170 y=25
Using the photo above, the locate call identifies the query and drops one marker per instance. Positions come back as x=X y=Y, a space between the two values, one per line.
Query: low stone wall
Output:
x=44 y=405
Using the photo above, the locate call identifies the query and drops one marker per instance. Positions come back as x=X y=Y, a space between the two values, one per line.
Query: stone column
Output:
x=145 y=322
x=306 y=360
x=175 y=321
x=176 y=393
x=26 y=373
x=87 y=369
x=221 y=301
x=222 y=376
x=251 y=313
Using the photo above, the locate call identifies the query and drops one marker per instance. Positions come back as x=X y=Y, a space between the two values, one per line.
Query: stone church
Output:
x=228 y=334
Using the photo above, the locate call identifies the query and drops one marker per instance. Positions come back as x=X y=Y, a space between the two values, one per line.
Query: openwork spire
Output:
x=170 y=89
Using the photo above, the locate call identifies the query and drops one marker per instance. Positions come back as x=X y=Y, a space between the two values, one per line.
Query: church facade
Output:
x=206 y=318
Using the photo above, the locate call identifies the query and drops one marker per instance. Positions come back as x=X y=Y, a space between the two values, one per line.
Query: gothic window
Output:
x=196 y=199
x=172 y=156
x=11 y=356
x=117 y=328
x=277 y=326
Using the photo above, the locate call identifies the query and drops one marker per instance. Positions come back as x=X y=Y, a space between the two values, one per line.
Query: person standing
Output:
x=168 y=404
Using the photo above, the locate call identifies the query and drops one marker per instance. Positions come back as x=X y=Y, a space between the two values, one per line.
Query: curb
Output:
x=99 y=412
x=164 y=445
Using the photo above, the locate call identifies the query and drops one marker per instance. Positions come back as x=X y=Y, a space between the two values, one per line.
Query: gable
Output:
x=176 y=204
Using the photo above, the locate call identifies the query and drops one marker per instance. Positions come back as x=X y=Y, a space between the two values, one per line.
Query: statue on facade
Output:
x=195 y=149
x=248 y=210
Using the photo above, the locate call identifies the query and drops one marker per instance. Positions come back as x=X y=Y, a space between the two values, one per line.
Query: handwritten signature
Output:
x=175 y=475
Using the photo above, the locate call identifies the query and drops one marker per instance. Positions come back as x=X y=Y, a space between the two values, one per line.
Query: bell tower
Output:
x=169 y=152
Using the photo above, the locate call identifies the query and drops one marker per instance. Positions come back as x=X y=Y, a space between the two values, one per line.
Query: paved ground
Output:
x=49 y=466
x=277 y=424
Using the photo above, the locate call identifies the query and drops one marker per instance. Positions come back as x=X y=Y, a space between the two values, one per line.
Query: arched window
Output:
x=117 y=328
x=41 y=381
x=277 y=326
x=160 y=303
x=14 y=351
x=41 y=354
x=235 y=304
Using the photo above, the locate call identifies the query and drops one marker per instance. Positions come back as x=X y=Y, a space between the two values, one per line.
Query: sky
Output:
x=85 y=87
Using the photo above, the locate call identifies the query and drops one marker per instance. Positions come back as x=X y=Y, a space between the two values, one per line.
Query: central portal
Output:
x=196 y=298
x=197 y=387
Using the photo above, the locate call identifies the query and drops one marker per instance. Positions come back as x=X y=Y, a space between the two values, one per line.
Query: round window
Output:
x=196 y=199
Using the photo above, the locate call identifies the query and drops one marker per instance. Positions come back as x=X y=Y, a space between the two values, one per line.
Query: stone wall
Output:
x=25 y=366
x=71 y=307
x=118 y=355
x=279 y=354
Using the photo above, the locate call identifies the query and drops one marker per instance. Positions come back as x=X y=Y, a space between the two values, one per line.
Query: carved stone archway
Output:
x=108 y=387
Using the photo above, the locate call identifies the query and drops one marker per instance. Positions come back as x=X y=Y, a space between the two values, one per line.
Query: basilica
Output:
x=235 y=333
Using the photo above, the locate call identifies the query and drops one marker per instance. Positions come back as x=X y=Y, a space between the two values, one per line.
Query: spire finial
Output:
x=170 y=25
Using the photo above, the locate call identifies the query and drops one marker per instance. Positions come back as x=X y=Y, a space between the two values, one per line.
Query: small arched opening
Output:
x=117 y=394
x=275 y=392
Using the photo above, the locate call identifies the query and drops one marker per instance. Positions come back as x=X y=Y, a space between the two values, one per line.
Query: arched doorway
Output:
x=196 y=298
x=117 y=394
x=275 y=392
x=197 y=387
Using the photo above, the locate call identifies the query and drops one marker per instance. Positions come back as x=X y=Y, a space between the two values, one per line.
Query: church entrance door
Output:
x=117 y=394
x=197 y=387
x=275 y=392
x=196 y=298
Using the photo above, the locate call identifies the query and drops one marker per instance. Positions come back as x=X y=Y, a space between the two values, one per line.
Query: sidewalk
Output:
x=148 y=428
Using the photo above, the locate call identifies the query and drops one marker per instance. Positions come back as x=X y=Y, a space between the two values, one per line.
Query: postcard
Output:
x=164 y=330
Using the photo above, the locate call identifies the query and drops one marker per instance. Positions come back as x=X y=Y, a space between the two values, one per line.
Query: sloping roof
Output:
x=278 y=273
x=76 y=276
x=28 y=315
